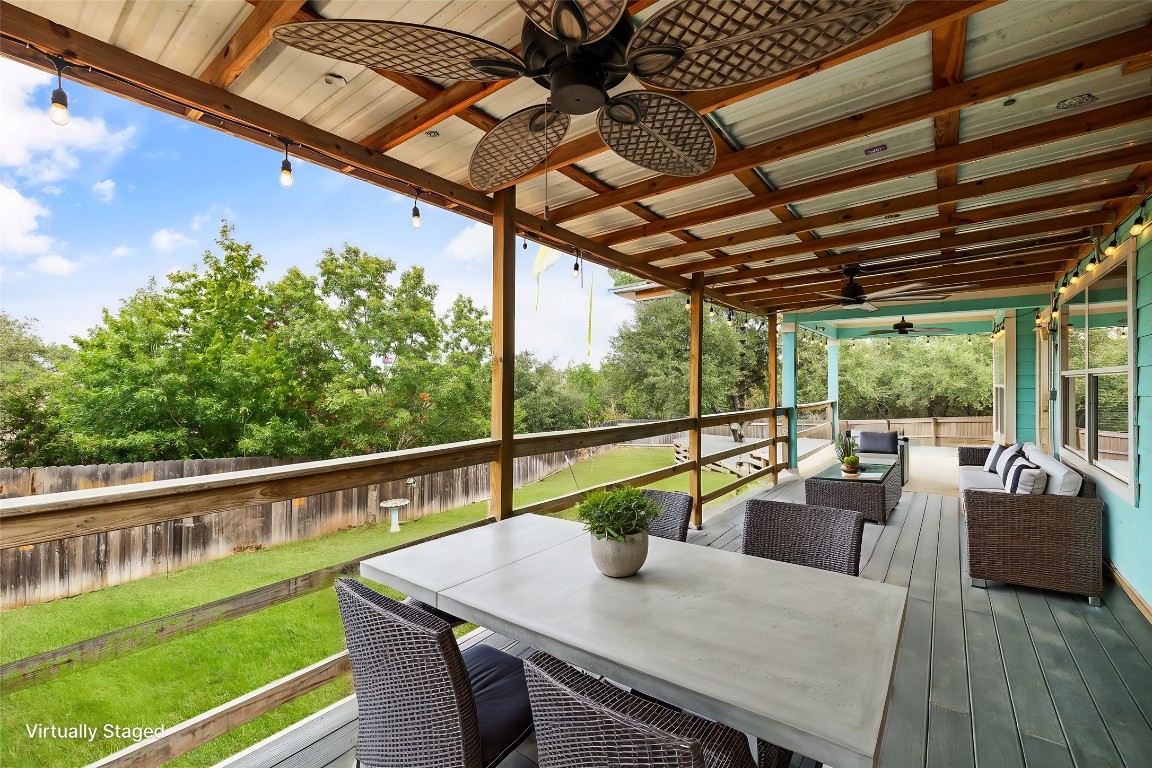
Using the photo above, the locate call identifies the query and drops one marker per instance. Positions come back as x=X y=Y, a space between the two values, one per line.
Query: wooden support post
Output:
x=695 y=382
x=503 y=348
x=773 y=394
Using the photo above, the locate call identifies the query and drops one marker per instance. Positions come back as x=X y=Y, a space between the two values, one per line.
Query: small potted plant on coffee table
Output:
x=846 y=453
x=618 y=521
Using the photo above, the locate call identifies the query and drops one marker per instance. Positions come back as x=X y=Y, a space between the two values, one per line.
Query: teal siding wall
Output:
x=1128 y=525
x=1025 y=377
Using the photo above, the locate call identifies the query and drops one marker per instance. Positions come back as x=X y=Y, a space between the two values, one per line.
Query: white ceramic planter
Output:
x=617 y=559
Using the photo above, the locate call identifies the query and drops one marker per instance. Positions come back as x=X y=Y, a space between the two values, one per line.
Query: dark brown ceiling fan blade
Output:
x=657 y=132
x=728 y=42
x=879 y=333
x=933 y=330
x=515 y=145
x=574 y=22
x=413 y=49
x=914 y=297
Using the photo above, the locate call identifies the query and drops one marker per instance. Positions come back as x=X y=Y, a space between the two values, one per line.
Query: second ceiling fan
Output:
x=852 y=294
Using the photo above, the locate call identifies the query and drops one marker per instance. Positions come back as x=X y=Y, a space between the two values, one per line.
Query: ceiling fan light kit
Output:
x=581 y=49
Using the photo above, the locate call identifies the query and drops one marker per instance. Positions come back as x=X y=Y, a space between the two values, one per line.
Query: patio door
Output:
x=1044 y=391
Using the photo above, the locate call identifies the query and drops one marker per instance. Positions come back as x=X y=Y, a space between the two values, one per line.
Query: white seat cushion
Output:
x=1062 y=479
x=975 y=478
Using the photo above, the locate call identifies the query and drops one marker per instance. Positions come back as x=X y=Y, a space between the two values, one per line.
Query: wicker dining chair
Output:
x=583 y=722
x=420 y=701
x=817 y=537
x=673 y=521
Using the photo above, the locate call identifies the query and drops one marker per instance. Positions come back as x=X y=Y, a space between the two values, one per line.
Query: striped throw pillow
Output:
x=1004 y=464
x=994 y=456
x=1026 y=478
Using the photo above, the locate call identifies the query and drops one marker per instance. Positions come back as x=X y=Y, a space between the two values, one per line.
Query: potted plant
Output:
x=618 y=521
x=846 y=453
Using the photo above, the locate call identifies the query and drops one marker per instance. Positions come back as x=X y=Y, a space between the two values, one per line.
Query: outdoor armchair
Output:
x=817 y=537
x=583 y=722
x=673 y=521
x=420 y=701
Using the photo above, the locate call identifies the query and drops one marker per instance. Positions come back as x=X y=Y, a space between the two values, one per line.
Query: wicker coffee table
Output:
x=873 y=493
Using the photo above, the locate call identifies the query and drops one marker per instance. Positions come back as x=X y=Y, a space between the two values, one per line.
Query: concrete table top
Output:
x=798 y=656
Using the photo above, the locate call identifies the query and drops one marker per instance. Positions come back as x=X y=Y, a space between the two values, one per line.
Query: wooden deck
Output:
x=1002 y=678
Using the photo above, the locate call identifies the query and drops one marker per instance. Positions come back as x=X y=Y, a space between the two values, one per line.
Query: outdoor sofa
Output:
x=1048 y=538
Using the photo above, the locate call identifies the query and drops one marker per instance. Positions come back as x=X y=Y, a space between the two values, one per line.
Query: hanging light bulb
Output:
x=524 y=243
x=687 y=303
x=744 y=324
x=969 y=339
x=58 y=111
x=712 y=312
x=1039 y=320
x=285 y=168
x=576 y=268
x=1112 y=246
x=1075 y=277
x=731 y=318
x=1063 y=287
x=1138 y=225
x=416 y=211
x=1092 y=263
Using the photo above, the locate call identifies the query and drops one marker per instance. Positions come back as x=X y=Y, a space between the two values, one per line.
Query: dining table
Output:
x=798 y=656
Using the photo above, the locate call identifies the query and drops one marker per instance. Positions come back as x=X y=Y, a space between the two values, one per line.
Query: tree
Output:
x=29 y=375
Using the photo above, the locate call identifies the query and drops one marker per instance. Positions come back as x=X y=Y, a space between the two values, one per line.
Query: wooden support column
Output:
x=773 y=394
x=695 y=383
x=503 y=348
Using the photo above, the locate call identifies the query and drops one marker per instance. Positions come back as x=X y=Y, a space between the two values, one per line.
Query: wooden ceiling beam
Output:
x=1066 y=170
x=956 y=269
x=948 y=46
x=1072 y=126
x=1045 y=70
x=1081 y=197
x=1120 y=210
x=1042 y=276
x=916 y=18
x=250 y=39
x=1009 y=233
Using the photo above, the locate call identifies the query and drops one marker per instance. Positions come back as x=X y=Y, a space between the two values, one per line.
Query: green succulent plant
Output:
x=845 y=445
x=617 y=513
x=851 y=461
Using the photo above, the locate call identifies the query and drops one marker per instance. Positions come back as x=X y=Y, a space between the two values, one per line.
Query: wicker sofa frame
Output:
x=1043 y=541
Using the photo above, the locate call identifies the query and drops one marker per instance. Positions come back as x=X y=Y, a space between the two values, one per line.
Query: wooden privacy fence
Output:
x=946 y=431
x=71 y=566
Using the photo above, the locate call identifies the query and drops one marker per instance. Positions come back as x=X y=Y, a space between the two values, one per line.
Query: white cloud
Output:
x=473 y=244
x=105 y=190
x=54 y=264
x=34 y=148
x=169 y=240
x=121 y=251
x=53 y=189
x=19 y=222
x=215 y=212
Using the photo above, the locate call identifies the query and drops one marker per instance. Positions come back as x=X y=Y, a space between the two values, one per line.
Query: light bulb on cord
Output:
x=731 y=317
x=1075 y=277
x=1138 y=225
x=712 y=312
x=416 y=211
x=1111 y=249
x=58 y=111
x=687 y=303
x=285 y=168
x=576 y=268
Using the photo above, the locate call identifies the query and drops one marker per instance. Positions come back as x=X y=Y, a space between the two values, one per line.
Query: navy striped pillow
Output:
x=1025 y=478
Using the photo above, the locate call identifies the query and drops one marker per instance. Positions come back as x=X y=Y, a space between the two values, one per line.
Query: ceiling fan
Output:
x=580 y=49
x=904 y=328
x=852 y=294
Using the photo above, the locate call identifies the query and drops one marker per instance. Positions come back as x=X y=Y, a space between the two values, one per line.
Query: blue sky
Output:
x=90 y=211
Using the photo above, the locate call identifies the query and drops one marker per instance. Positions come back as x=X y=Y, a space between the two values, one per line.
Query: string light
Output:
x=1075 y=277
x=1138 y=225
x=731 y=318
x=744 y=324
x=969 y=339
x=1063 y=289
x=1112 y=247
x=1039 y=320
x=416 y=211
x=687 y=303
x=712 y=312
x=576 y=268
x=1092 y=263
x=58 y=111
x=285 y=167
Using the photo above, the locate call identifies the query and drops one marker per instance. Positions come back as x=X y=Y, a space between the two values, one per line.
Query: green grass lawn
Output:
x=181 y=678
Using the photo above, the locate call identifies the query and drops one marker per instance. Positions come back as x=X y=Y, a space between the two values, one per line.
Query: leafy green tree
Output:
x=29 y=375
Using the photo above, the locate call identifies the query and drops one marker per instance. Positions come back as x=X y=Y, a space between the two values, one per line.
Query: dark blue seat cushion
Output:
x=501 y=700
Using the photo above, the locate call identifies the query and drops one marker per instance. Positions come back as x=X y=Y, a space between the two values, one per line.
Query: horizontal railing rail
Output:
x=53 y=516
x=547 y=442
x=732 y=417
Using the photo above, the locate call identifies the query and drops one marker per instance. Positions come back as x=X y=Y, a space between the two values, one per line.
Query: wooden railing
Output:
x=48 y=517
x=947 y=431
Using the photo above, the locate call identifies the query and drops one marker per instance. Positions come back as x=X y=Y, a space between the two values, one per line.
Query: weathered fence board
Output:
x=73 y=566
x=944 y=430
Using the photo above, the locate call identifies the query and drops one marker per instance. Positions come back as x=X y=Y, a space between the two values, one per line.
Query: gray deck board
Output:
x=1087 y=737
x=1002 y=677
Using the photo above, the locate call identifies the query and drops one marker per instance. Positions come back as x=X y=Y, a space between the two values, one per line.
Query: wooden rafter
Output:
x=1009 y=233
x=1120 y=210
x=1081 y=197
x=1032 y=74
x=947 y=196
x=948 y=46
x=915 y=19
x=990 y=146
x=252 y=37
